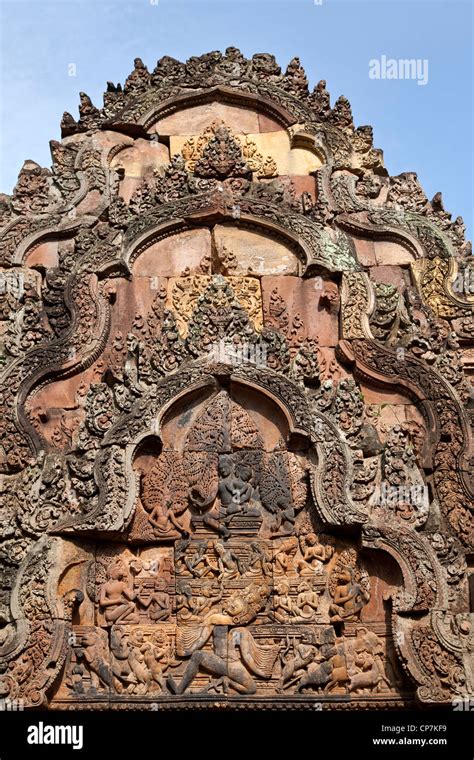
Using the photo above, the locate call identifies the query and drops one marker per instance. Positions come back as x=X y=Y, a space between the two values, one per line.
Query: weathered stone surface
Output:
x=300 y=307
x=238 y=118
x=235 y=408
x=170 y=257
x=44 y=254
x=142 y=156
x=302 y=184
x=392 y=275
x=256 y=252
x=365 y=252
x=390 y=253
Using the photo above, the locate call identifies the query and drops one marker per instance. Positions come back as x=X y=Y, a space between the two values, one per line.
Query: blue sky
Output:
x=427 y=129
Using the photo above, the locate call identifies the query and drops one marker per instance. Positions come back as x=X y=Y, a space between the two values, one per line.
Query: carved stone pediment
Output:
x=236 y=407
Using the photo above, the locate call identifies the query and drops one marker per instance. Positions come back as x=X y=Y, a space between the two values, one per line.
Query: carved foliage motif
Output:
x=222 y=497
x=196 y=293
x=196 y=153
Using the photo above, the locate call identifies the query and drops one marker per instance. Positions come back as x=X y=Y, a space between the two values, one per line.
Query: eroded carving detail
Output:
x=202 y=499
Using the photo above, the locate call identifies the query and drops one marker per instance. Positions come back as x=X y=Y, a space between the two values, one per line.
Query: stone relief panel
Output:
x=229 y=618
x=236 y=404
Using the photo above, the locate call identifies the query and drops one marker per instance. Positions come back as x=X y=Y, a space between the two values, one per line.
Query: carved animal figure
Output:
x=317 y=676
x=368 y=679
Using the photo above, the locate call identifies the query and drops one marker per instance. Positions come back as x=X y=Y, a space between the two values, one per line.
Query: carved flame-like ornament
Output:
x=236 y=407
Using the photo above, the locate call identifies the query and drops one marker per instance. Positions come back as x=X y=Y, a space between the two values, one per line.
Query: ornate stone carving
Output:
x=357 y=305
x=349 y=588
x=194 y=149
x=435 y=278
x=221 y=157
x=196 y=293
x=202 y=506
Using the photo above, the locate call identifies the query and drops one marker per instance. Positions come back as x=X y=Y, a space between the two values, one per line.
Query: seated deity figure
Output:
x=159 y=603
x=228 y=561
x=199 y=564
x=117 y=598
x=284 y=556
x=236 y=489
x=200 y=605
x=259 y=561
x=283 y=606
x=164 y=518
x=284 y=515
x=314 y=554
x=349 y=597
x=184 y=601
x=307 y=601
x=149 y=589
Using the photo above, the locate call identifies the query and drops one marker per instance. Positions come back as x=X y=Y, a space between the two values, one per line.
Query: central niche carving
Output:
x=227 y=585
x=221 y=472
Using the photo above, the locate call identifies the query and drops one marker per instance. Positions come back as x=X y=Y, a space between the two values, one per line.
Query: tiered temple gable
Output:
x=236 y=407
